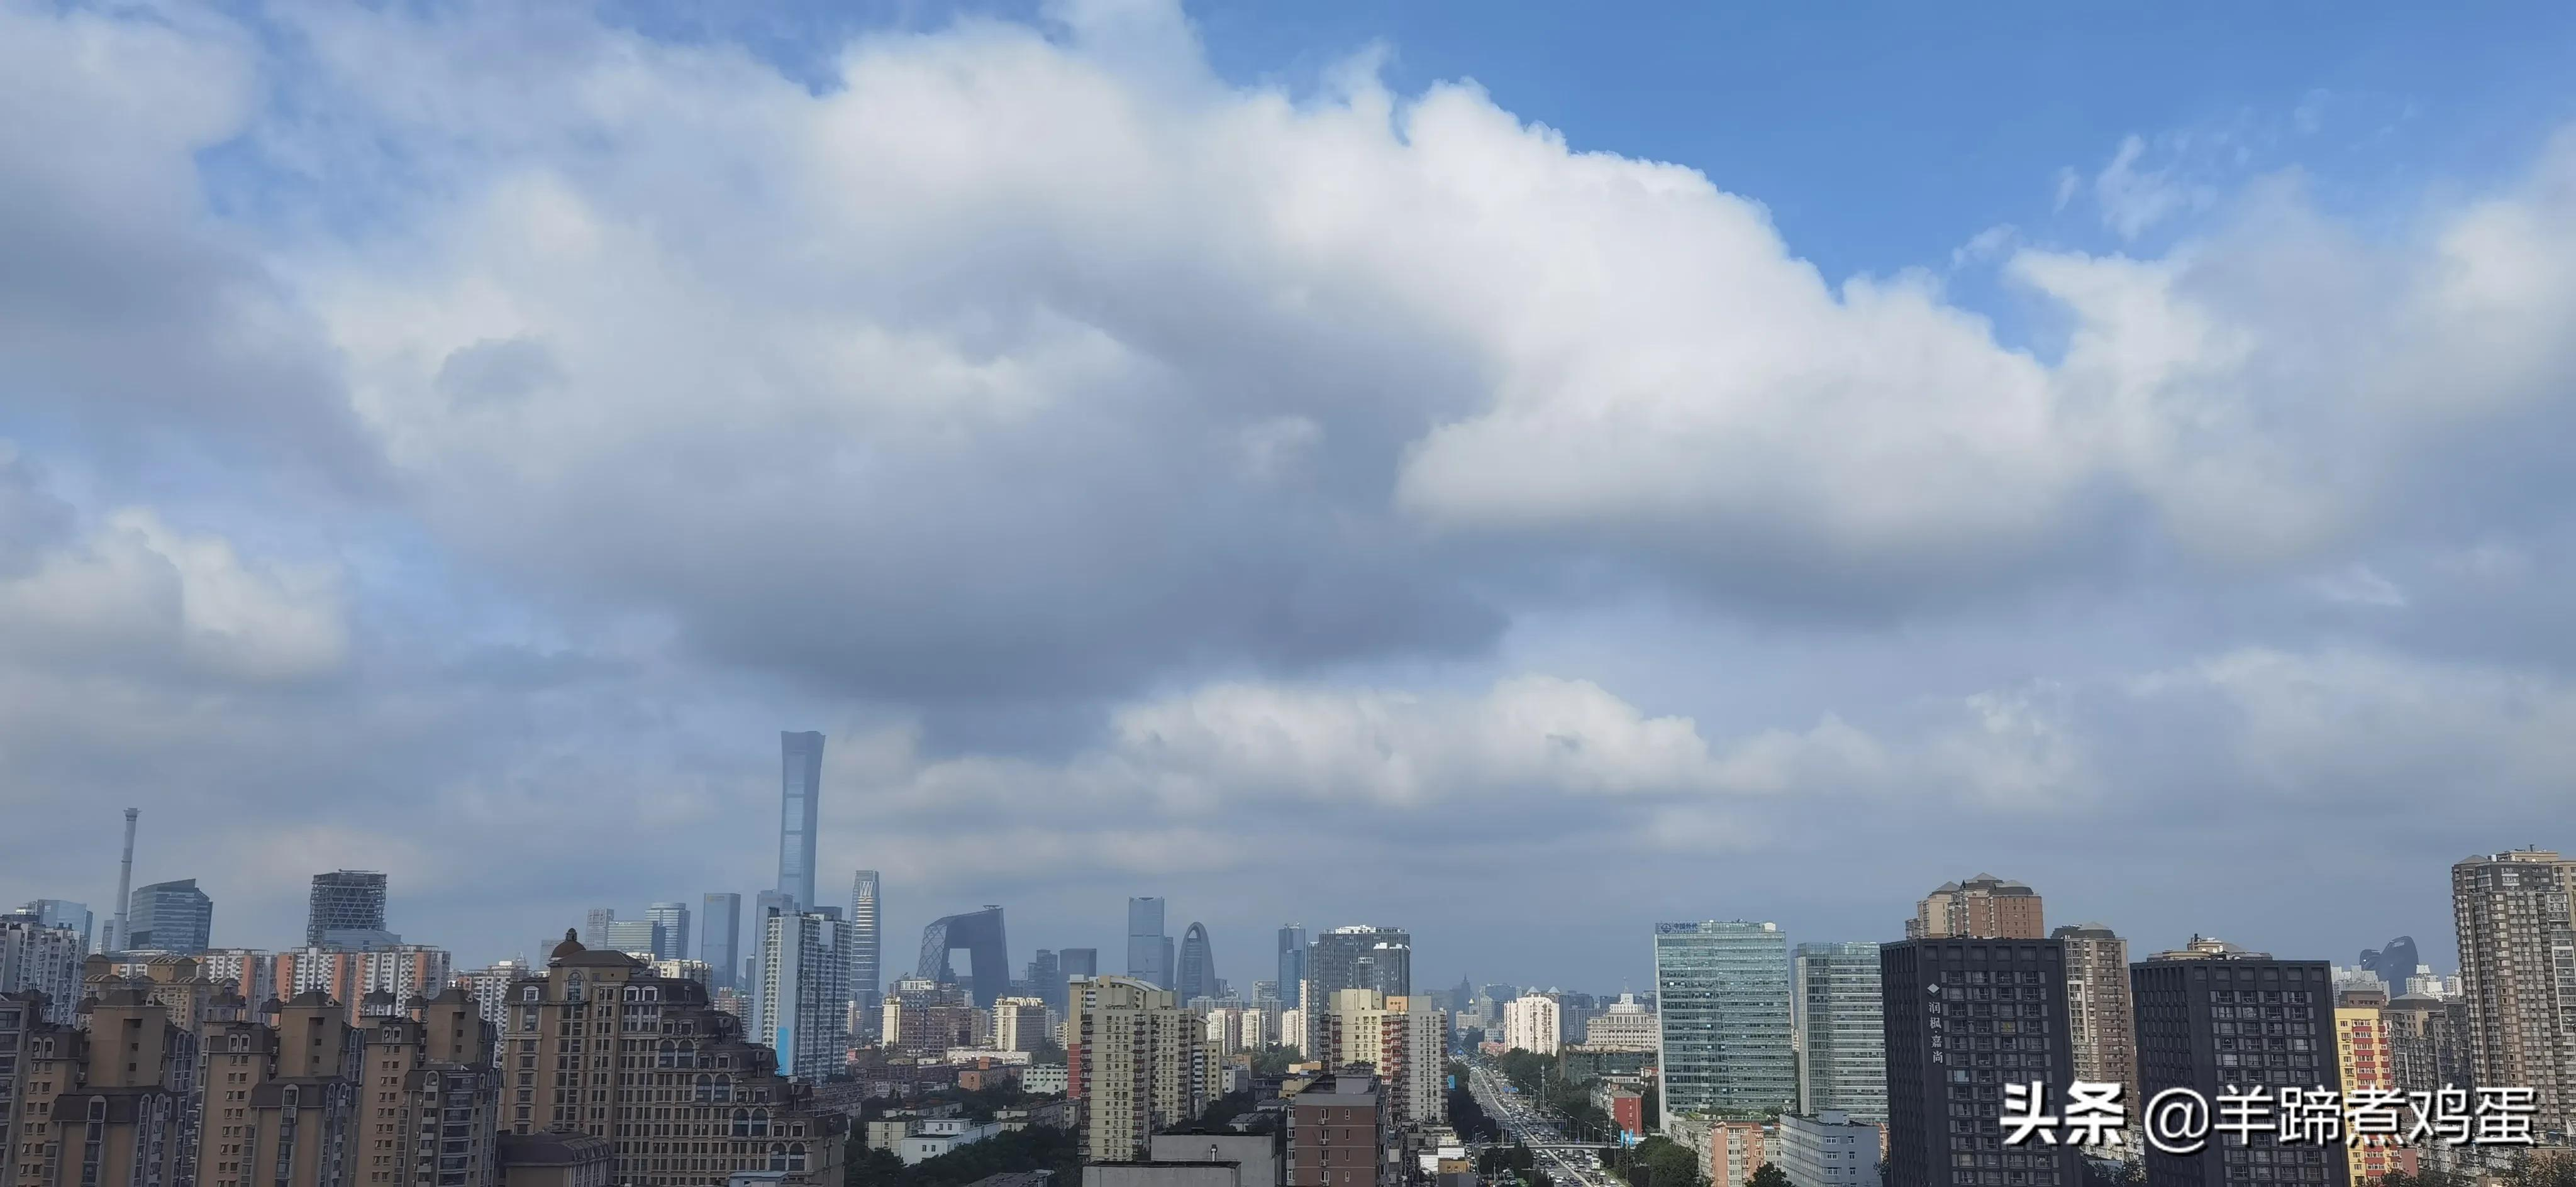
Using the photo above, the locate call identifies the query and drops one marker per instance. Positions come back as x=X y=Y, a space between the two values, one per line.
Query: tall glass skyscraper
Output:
x=1292 y=964
x=799 y=787
x=673 y=919
x=1722 y=991
x=867 y=944
x=344 y=900
x=169 y=917
x=1149 y=950
x=1360 y=957
x=1196 y=976
x=720 y=938
x=1842 y=1036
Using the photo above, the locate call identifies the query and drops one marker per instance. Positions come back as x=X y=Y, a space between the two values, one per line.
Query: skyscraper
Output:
x=803 y=1010
x=2101 y=1020
x=41 y=959
x=1196 y=977
x=594 y=926
x=867 y=944
x=720 y=937
x=800 y=786
x=1047 y=980
x=1965 y=1018
x=2215 y=1017
x=1292 y=965
x=2392 y=962
x=1984 y=907
x=169 y=917
x=2516 y=914
x=1149 y=951
x=1079 y=962
x=987 y=945
x=352 y=900
x=673 y=919
x=1360 y=957
x=1722 y=995
x=639 y=938
x=1842 y=1040
x=54 y=912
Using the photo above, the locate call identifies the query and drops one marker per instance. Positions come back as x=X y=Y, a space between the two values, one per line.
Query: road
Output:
x=1523 y=1119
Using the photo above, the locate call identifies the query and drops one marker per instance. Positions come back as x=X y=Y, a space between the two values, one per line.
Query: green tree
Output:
x=1272 y=1060
x=1768 y=1175
x=1660 y=1161
x=2532 y=1169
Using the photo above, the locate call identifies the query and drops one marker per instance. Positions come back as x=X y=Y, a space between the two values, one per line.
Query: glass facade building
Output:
x=1842 y=1031
x=799 y=787
x=1722 y=990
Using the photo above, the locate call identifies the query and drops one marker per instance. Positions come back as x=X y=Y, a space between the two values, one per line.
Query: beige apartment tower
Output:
x=1135 y=1063
x=2102 y=1021
x=1982 y=908
x=2517 y=931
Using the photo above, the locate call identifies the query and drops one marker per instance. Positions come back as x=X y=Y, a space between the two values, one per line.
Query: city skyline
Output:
x=1331 y=464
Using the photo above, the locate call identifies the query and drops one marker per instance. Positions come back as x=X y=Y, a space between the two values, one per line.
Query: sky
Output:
x=1493 y=470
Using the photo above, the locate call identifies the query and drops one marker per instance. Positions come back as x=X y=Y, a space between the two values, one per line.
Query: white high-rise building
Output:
x=1292 y=1031
x=802 y=1012
x=1142 y=1059
x=1019 y=1023
x=1626 y=1026
x=1529 y=1023
x=1225 y=1029
x=867 y=942
x=44 y=959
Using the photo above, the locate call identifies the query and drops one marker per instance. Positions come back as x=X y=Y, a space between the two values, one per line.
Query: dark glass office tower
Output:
x=800 y=785
x=867 y=943
x=1079 y=962
x=1379 y=958
x=1149 y=951
x=169 y=917
x=720 y=938
x=344 y=900
x=1292 y=965
x=1196 y=977
x=980 y=934
x=2215 y=1017
x=1965 y=1017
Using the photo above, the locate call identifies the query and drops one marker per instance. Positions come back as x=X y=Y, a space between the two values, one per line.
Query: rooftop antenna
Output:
x=116 y=939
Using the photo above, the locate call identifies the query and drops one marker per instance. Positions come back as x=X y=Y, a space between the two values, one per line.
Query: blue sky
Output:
x=1215 y=454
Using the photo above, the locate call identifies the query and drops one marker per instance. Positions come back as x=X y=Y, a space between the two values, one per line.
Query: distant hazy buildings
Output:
x=2392 y=962
x=802 y=1012
x=1360 y=957
x=1984 y=907
x=1079 y=963
x=1196 y=976
x=1627 y=1025
x=1842 y=1041
x=981 y=935
x=1134 y=1064
x=800 y=788
x=1292 y=964
x=673 y=919
x=720 y=937
x=54 y=912
x=867 y=941
x=352 y=900
x=348 y=975
x=1530 y=1024
x=1722 y=992
x=1149 y=950
x=169 y=917
x=2101 y=1018
x=639 y=938
x=2516 y=914
x=2215 y=1017
x=1965 y=1017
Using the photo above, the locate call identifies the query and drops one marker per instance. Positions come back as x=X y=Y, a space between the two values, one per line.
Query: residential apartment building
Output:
x=1135 y=1064
x=2213 y=1017
x=1339 y=1133
x=1965 y=1018
x=1984 y=908
x=1830 y=1149
x=2102 y=1022
x=1626 y=1026
x=2516 y=915
x=1530 y=1024
x=1404 y=1041
x=2367 y=1061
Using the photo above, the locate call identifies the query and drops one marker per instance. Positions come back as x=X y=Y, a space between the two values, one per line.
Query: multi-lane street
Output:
x=1524 y=1119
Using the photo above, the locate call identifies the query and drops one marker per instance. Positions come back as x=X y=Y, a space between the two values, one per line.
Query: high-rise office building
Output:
x=1530 y=1024
x=2516 y=914
x=1984 y=907
x=1404 y=1037
x=1722 y=992
x=2102 y=1022
x=803 y=1010
x=594 y=926
x=1079 y=962
x=673 y=919
x=692 y=1069
x=800 y=787
x=639 y=938
x=1965 y=1018
x=1149 y=951
x=1841 y=1028
x=54 y=912
x=1196 y=977
x=1046 y=979
x=41 y=959
x=867 y=943
x=2215 y=1017
x=1360 y=957
x=1134 y=1065
x=1292 y=965
x=169 y=917
x=352 y=900
x=720 y=937
x=980 y=934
